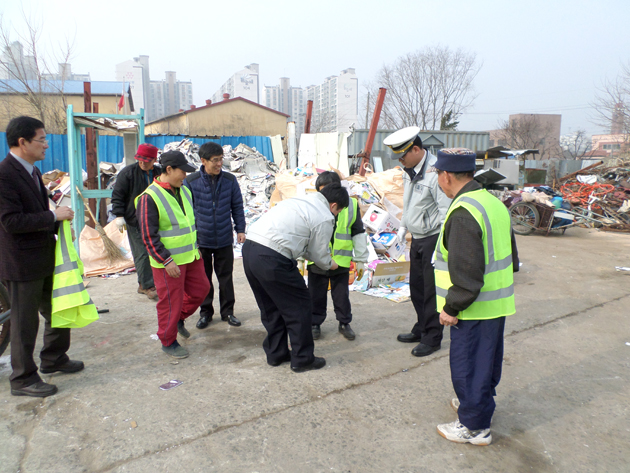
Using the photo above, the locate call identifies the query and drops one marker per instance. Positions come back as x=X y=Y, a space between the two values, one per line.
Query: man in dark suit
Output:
x=27 y=259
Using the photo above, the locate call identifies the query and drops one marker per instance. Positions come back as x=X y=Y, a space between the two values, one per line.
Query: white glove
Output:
x=401 y=235
x=360 y=270
x=120 y=223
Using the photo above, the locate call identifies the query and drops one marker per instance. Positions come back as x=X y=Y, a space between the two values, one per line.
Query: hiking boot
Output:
x=317 y=331
x=346 y=331
x=183 y=331
x=458 y=433
x=175 y=350
x=140 y=290
x=151 y=293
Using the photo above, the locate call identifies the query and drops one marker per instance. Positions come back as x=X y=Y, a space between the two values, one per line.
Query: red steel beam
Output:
x=365 y=156
x=309 y=116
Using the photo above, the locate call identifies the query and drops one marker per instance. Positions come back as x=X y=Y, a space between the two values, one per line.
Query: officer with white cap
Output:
x=424 y=211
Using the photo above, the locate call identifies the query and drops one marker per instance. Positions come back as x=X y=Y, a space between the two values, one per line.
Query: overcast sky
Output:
x=544 y=56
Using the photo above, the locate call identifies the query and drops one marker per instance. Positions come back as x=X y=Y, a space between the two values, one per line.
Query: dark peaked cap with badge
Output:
x=402 y=140
x=456 y=160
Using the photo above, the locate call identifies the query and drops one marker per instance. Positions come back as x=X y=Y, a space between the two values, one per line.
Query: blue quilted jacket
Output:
x=217 y=202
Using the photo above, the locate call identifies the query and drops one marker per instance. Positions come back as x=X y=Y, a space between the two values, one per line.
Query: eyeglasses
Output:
x=216 y=160
x=44 y=142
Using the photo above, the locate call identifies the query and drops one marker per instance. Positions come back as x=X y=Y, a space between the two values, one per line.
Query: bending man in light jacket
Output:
x=298 y=227
x=424 y=211
x=348 y=243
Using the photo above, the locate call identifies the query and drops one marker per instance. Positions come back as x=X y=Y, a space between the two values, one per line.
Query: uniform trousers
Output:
x=140 y=257
x=28 y=300
x=476 y=358
x=284 y=303
x=223 y=267
x=339 y=290
x=422 y=288
x=178 y=298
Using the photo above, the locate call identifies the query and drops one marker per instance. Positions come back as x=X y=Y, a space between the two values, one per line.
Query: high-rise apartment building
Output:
x=169 y=96
x=287 y=99
x=335 y=102
x=243 y=83
x=159 y=98
x=135 y=72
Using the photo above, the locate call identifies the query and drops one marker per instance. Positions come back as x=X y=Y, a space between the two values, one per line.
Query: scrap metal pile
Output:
x=602 y=193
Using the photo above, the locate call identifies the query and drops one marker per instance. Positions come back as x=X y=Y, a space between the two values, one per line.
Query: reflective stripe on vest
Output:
x=72 y=306
x=177 y=229
x=496 y=298
x=342 y=244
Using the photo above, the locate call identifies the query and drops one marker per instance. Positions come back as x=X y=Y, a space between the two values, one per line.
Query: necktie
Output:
x=412 y=172
x=35 y=177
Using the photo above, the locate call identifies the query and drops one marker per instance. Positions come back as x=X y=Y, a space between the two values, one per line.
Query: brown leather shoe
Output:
x=151 y=293
x=140 y=290
x=39 y=389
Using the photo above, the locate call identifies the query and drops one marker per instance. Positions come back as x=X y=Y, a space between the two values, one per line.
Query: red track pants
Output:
x=179 y=297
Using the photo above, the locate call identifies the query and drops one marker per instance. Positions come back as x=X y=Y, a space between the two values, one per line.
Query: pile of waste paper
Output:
x=187 y=148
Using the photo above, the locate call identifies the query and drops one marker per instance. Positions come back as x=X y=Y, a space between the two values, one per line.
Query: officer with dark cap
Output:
x=474 y=263
x=424 y=210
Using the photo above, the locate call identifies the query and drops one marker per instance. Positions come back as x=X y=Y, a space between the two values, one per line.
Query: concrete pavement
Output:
x=562 y=404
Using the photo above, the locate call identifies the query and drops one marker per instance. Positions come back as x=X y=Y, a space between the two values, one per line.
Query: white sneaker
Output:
x=456 y=432
x=455 y=404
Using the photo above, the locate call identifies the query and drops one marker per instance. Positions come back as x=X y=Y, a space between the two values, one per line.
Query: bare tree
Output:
x=529 y=132
x=576 y=144
x=30 y=86
x=612 y=105
x=423 y=86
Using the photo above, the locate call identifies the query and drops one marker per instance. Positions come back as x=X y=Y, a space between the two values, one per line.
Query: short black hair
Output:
x=417 y=141
x=460 y=176
x=22 y=127
x=327 y=177
x=210 y=149
x=336 y=194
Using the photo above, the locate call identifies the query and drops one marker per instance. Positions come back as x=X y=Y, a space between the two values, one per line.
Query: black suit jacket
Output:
x=27 y=226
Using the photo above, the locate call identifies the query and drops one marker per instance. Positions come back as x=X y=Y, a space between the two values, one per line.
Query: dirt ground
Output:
x=562 y=404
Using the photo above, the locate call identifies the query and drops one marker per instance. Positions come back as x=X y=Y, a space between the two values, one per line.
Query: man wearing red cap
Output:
x=130 y=183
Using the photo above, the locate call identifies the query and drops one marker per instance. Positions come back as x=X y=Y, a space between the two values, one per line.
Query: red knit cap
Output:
x=146 y=152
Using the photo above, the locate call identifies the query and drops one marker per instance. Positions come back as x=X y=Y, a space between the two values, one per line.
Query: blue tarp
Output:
x=111 y=148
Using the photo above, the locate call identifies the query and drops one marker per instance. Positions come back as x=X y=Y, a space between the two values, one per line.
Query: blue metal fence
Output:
x=261 y=143
x=111 y=147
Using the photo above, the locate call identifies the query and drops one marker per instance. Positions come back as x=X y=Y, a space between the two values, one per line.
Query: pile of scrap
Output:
x=603 y=193
x=187 y=147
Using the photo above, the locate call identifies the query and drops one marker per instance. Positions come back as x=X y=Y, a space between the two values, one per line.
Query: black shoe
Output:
x=315 y=365
x=70 y=366
x=183 y=331
x=424 y=350
x=39 y=389
x=408 y=338
x=280 y=361
x=203 y=322
x=317 y=331
x=346 y=331
x=230 y=319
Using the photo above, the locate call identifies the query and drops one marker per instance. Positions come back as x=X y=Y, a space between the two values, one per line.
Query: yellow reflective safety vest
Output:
x=178 y=231
x=72 y=306
x=496 y=298
x=341 y=248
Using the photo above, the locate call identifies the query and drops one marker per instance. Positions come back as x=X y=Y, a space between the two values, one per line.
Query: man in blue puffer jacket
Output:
x=217 y=201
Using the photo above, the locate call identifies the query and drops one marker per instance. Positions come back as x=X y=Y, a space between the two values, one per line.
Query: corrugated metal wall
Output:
x=477 y=141
x=261 y=143
x=111 y=148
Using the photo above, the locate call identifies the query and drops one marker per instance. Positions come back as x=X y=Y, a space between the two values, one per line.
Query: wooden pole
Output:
x=90 y=148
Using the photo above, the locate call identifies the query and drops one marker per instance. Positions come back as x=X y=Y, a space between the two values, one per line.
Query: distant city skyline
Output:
x=537 y=56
